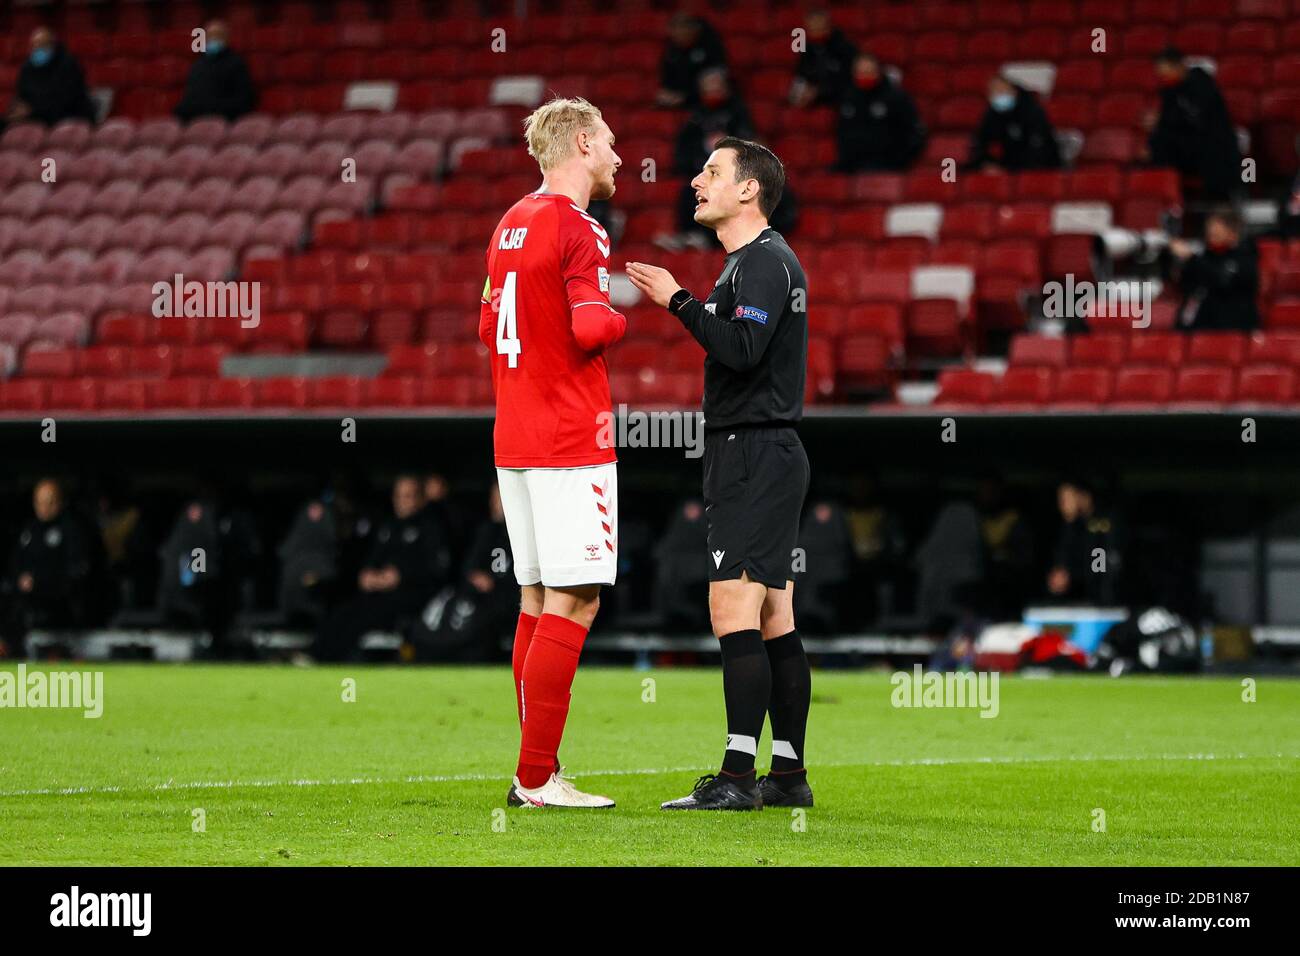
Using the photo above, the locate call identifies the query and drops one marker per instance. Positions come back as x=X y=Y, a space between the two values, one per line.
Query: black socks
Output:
x=790 y=699
x=746 y=685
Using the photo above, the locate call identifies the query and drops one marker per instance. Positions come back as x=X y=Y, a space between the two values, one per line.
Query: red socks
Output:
x=523 y=637
x=547 y=675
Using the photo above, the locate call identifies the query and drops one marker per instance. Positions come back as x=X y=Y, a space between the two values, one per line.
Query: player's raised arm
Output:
x=584 y=255
x=738 y=339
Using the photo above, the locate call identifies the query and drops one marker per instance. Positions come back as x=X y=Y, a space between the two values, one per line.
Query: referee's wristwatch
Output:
x=679 y=299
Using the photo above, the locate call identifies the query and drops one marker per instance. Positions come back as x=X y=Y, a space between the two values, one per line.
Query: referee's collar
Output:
x=767 y=233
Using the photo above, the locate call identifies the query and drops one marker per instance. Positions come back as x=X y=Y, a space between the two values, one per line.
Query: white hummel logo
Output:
x=717 y=558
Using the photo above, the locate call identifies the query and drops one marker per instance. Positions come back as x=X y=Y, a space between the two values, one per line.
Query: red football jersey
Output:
x=546 y=320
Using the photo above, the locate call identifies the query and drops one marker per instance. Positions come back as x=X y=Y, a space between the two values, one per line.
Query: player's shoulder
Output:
x=770 y=250
x=578 y=225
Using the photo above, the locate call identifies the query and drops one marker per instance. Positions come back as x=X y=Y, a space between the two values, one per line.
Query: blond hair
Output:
x=551 y=128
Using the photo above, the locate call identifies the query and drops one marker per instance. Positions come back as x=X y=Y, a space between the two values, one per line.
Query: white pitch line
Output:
x=644 y=771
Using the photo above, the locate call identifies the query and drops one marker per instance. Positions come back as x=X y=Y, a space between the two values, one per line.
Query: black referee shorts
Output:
x=755 y=481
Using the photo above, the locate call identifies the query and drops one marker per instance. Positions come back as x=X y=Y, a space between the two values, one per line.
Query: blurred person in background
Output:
x=720 y=113
x=219 y=83
x=1009 y=549
x=1288 y=209
x=951 y=563
x=693 y=47
x=308 y=566
x=408 y=562
x=820 y=593
x=1220 y=284
x=822 y=74
x=1015 y=132
x=51 y=85
x=879 y=127
x=442 y=509
x=1192 y=131
x=49 y=570
x=879 y=549
x=1087 y=562
x=470 y=618
x=682 y=571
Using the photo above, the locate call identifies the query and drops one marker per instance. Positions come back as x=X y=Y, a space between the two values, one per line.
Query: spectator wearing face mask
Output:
x=51 y=86
x=721 y=113
x=1220 y=284
x=693 y=48
x=219 y=83
x=1014 y=133
x=879 y=127
x=825 y=66
x=1192 y=131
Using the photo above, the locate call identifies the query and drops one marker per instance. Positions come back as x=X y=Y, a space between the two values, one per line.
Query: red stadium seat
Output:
x=881 y=319
x=1217 y=348
x=1157 y=348
x=934 y=327
x=1266 y=385
x=968 y=221
x=50 y=363
x=1142 y=387
x=23 y=395
x=1025 y=387
x=865 y=362
x=1274 y=348
x=1039 y=350
x=1111 y=145
x=1098 y=349
x=1204 y=384
x=965 y=387
x=1285 y=314
x=886 y=286
x=1085 y=388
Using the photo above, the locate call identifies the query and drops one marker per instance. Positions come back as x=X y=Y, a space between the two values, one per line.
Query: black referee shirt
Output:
x=754 y=327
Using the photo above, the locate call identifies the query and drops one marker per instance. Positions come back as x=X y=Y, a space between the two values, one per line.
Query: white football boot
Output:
x=556 y=792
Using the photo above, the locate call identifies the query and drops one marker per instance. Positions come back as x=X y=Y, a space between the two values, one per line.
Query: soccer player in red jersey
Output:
x=546 y=319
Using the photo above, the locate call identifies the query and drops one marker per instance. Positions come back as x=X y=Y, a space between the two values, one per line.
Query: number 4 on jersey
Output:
x=507 y=327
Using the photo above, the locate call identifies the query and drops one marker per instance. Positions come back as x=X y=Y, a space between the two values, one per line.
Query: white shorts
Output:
x=562 y=522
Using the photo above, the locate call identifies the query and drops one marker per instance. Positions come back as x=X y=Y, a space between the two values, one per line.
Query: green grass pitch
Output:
x=415 y=770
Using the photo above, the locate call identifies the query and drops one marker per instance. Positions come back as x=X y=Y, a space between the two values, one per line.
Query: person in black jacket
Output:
x=219 y=83
x=879 y=127
x=51 y=85
x=825 y=65
x=1221 y=283
x=1087 y=563
x=408 y=562
x=48 y=569
x=1193 y=132
x=693 y=47
x=720 y=113
x=1015 y=132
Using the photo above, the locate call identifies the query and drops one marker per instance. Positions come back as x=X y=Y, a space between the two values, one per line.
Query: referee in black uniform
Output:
x=754 y=328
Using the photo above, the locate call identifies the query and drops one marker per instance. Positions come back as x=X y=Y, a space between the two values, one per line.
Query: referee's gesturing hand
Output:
x=658 y=284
